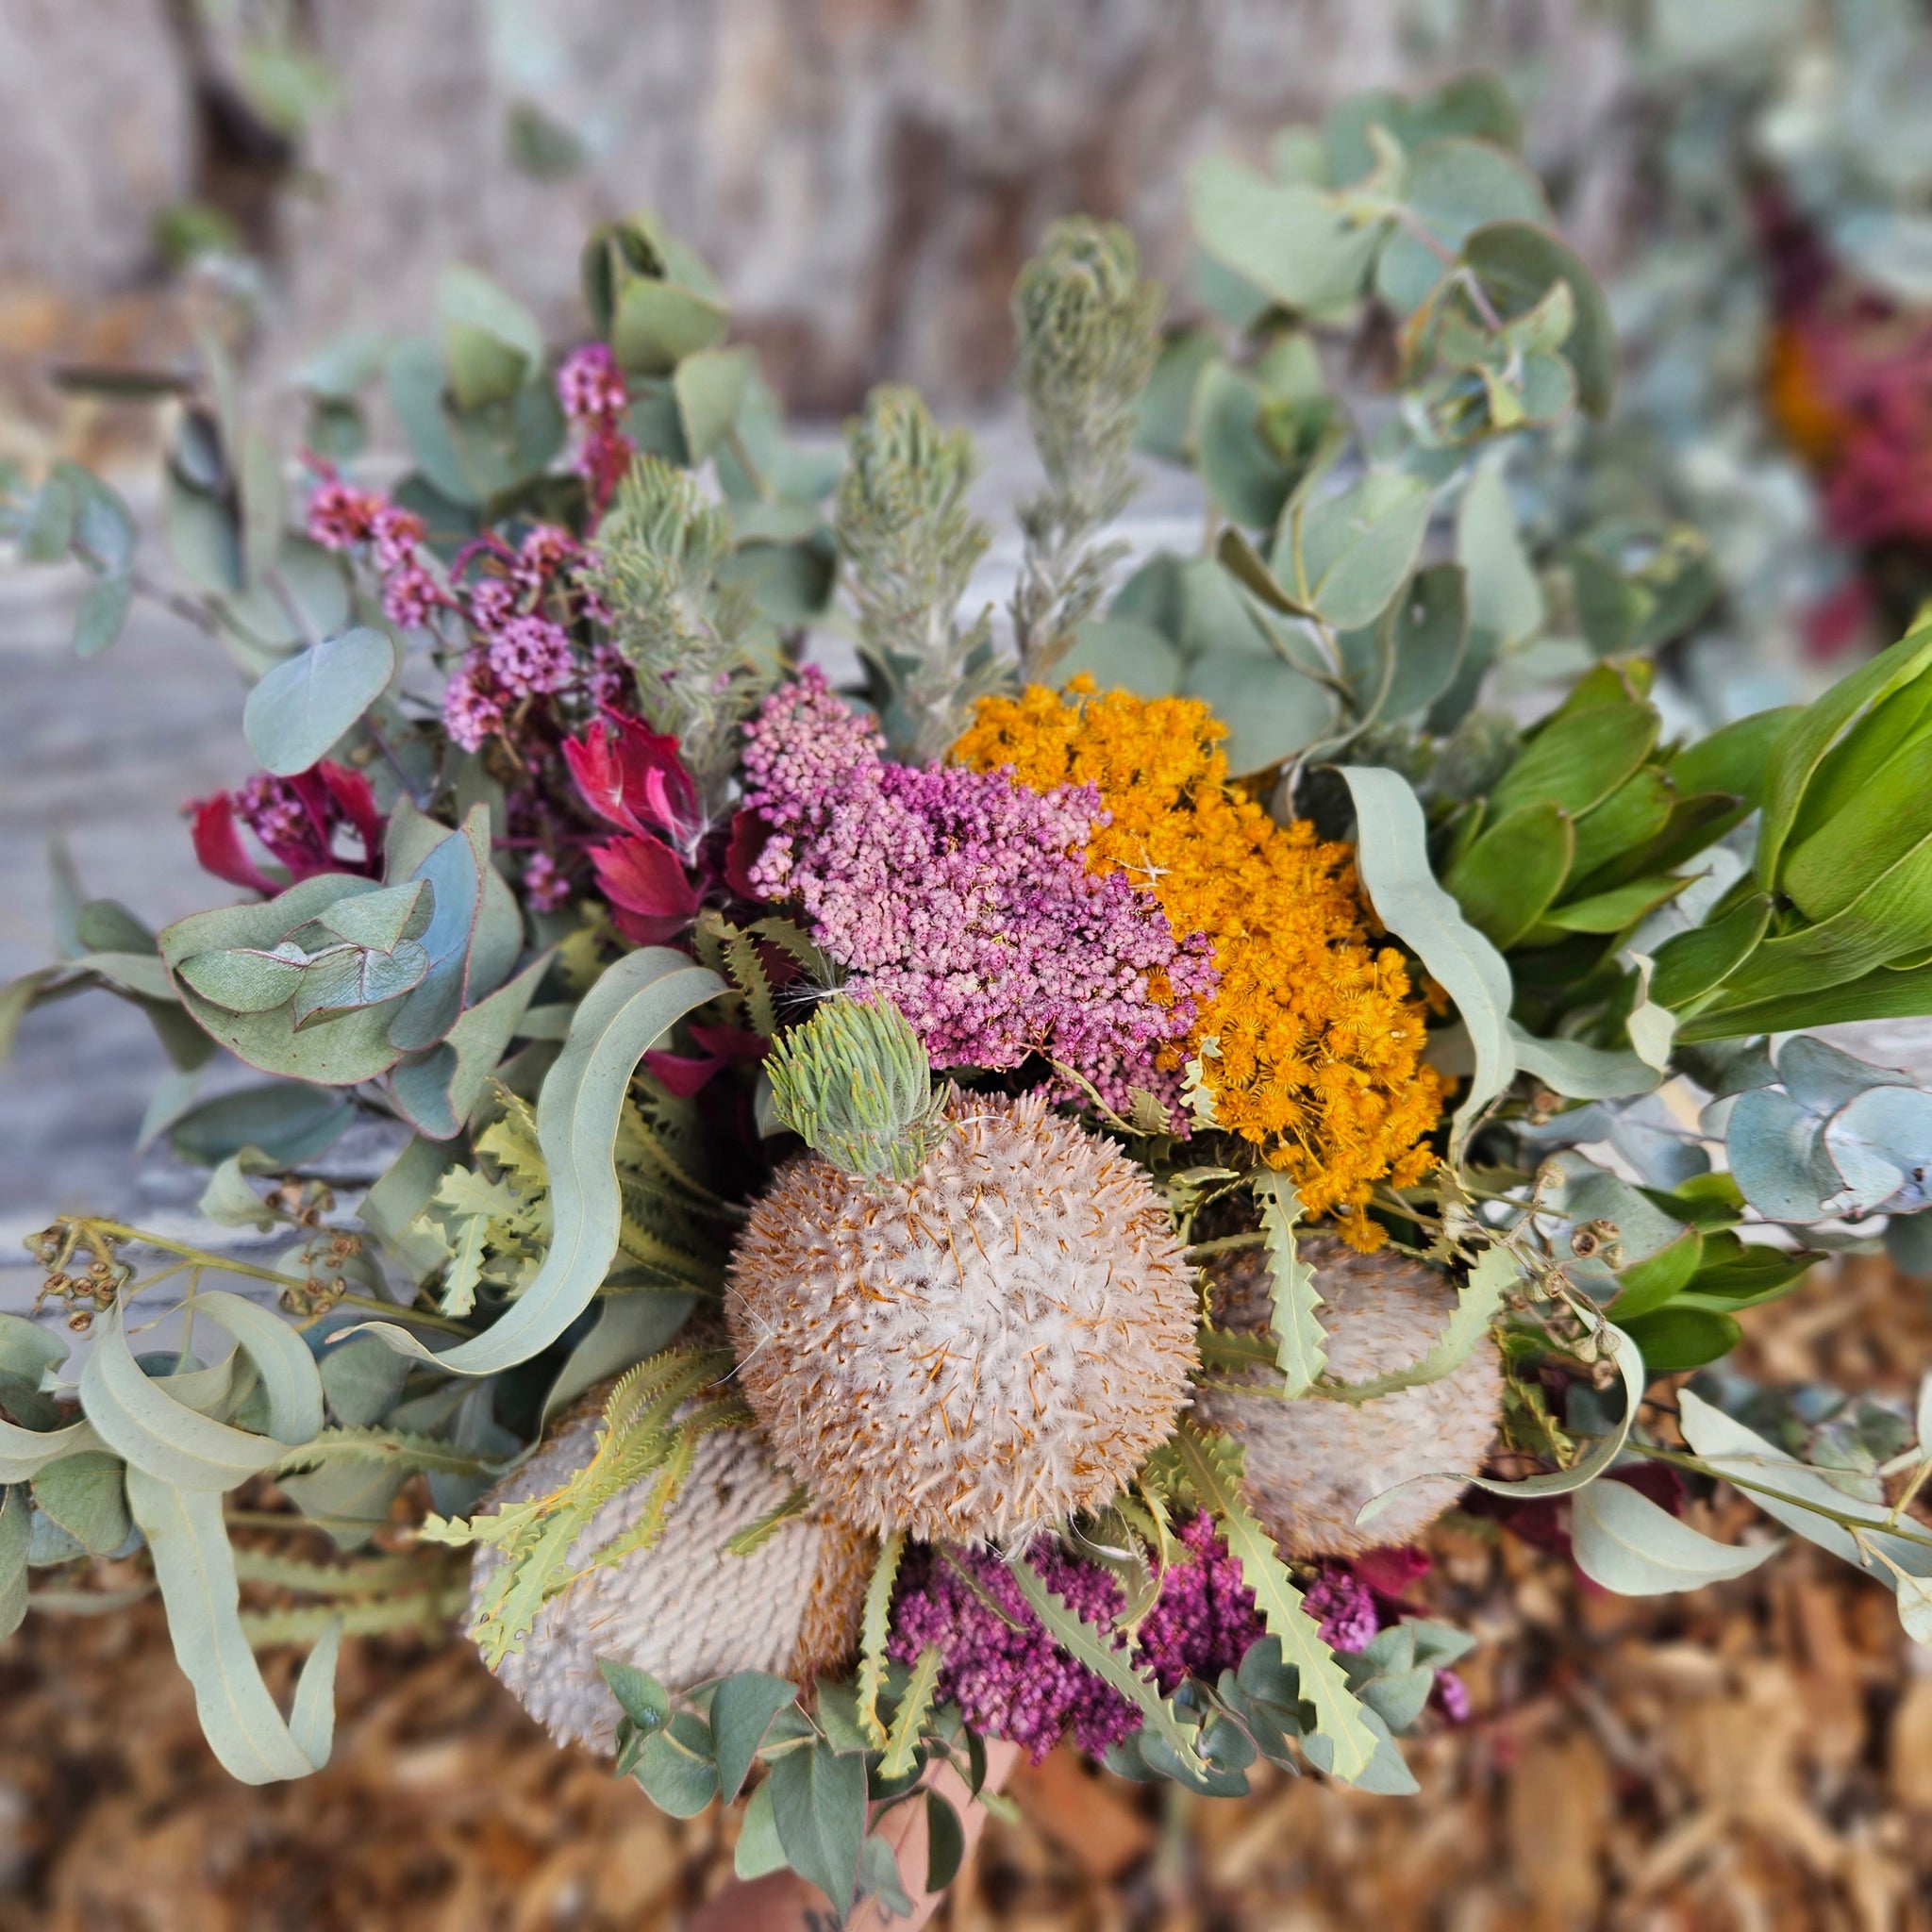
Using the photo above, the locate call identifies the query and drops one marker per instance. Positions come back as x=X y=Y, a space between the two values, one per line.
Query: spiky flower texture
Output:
x=977 y=1351
x=856 y=1083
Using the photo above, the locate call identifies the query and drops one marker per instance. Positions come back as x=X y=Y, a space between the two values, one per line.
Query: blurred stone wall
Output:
x=865 y=174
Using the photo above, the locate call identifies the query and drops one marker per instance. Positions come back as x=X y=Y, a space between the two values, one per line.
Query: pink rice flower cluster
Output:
x=1010 y=1678
x=301 y=823
x=965 y=899
x=591 y=390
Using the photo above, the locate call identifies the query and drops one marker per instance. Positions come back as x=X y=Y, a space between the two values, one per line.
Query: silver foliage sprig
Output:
x=689 y=638
x=1089 y=333
x=911 y=545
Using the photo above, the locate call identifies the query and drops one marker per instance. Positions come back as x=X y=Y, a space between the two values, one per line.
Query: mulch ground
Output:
x=1756 y=1758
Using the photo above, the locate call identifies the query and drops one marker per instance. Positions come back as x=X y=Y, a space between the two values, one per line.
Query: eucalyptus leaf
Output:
x=16 y=1539
x=1392 y=855
x=743 y=1708
x=304 y=706
x=195 y=1570
x=86 y=1495
x=819 y=1806
x=632 y=1005
x=1623 y=1542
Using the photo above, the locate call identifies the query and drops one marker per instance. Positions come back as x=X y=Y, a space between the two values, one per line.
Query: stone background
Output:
x=865 y=176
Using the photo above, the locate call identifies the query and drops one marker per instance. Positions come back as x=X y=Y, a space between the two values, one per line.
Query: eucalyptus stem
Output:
x=1677 y=1459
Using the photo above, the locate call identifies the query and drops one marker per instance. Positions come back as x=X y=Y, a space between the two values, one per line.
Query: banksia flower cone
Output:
x=1311 y=1464
x=975 y=1352
x=685 y=1610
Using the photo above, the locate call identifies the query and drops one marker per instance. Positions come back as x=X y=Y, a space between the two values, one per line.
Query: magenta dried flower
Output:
x=545 y=883
x=411 y=596
x=965 y=899
x=1344 y=1608
x=340 y=515
x=1010 y=1678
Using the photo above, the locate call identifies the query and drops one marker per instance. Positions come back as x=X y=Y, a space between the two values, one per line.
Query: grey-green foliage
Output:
x=856 y=1083
x=689 y=638
x=911 y=544
x=1088 y=327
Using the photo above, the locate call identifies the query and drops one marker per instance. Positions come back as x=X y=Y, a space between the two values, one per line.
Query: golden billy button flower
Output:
x=1836 y=922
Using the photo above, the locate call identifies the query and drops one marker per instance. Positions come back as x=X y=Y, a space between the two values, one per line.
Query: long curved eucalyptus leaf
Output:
x=1622 y=1541
x=636 y=1002
x=23 y=1453
x=1392 y=858
x=1558 y=1482
x=195 y=1569
x=1583 y=1072
x=153 y=1432
x=289 y=1375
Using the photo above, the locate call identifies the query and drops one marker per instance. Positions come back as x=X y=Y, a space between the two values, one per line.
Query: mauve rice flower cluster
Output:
x=966 y=900
x=1010 y=1678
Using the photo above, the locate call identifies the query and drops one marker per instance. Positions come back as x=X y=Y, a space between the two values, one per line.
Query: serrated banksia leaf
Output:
x=978 y=1351
x=1311 y=1464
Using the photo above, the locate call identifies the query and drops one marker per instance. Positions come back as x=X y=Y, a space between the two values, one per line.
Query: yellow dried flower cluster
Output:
x=1312 y=1043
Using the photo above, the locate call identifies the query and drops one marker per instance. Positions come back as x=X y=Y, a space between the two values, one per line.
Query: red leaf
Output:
x=219 y=849
x=682 y=1074
x=749 y=837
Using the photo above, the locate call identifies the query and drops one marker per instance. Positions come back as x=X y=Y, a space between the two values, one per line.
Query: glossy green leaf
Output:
x=1579 y=758
x=1692 y=963
x=1735 y=757
x=304 y=706
x=1658 y=1277
x=632 y=1005
x=1675 y=1339
x=1507 y=879
x=945 y=1842
x=1623 y=1542
x=1627 y=821
x=1392 y=855
x=1798 y=753
x=1518 y=262
x=1611 y=911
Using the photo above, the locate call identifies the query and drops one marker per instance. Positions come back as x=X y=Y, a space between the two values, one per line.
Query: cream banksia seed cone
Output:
x=685 y=1610
x=976 y=1351
x=1313 y=1463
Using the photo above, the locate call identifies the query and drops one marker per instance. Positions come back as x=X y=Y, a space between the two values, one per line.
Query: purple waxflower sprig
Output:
x=965 y=899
